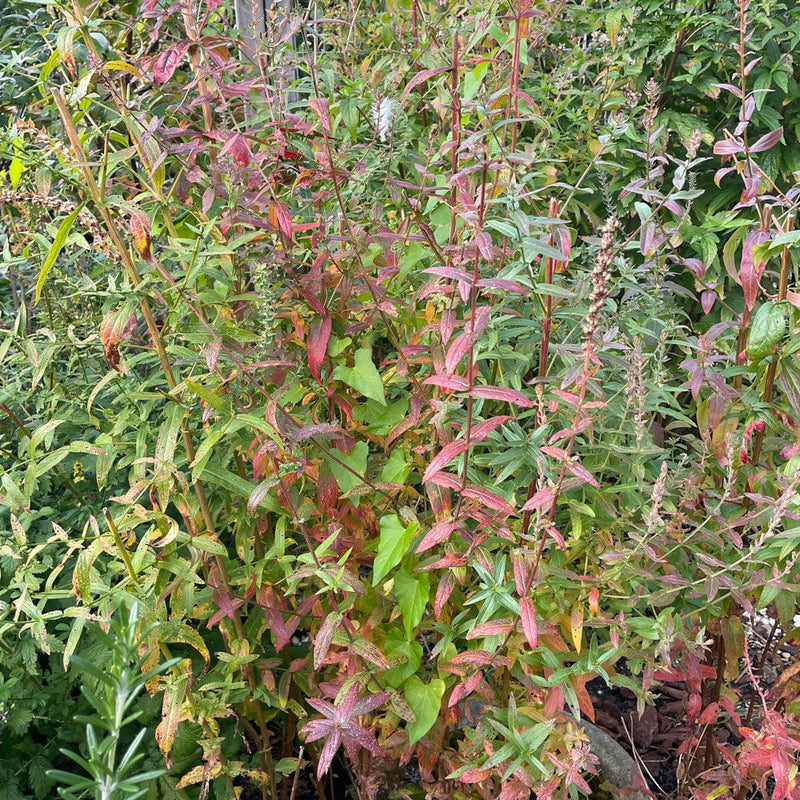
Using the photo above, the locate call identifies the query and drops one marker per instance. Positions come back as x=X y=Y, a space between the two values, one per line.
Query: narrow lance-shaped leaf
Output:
x=54 y=251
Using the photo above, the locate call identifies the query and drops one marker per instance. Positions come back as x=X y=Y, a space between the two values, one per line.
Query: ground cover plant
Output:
x=385 y=385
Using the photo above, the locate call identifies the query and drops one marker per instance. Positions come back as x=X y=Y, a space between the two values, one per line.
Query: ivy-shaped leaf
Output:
x=392 y=545
x=425 y=702
x=356 y=459
x=363 y=376
x=412 y=596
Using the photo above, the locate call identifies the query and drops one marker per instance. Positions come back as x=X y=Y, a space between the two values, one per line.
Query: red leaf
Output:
x=445 y=456
x=453 y=273
x=543 y=498
x=238 y=147
x=710 y=714
x=495 y=627
x=579 y=471
x=529 y=626
x=503 y=394
x=322 y=641
x=421 y=77
x=483 y=429
x=750 y=273
x=281 y=218
x=317 y=345
x=484 y=242
x=780 y=771
x=457 y=351
x=167 y=62
x=707 y=300
x=319 y=105
x=465 y=689
x=437 y=534
x=488 y=498
x=474 y=775
x=443 y=592
x=504 y=284
x=454 y=383
x=793 y=298
x=693 y=706
x=767 y=141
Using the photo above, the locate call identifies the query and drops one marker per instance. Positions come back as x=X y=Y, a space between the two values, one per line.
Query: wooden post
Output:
x=252 y=18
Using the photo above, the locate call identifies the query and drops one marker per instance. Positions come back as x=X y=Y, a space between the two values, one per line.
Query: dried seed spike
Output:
x=599 y=278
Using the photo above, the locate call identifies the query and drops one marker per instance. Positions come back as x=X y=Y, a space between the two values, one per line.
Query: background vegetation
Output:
x=402 y=376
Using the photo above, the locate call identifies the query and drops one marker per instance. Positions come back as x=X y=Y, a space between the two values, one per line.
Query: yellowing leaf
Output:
x=576 y=626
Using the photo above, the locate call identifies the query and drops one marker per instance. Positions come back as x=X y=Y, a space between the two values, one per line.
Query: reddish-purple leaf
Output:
x=167 y=62
x=421 y=77
x=465 y=689
x=728 y=147
x=328 y=752
x=480 y=431
x=503 y=284
x=529 y=626
x=502 y=393
x=495 y=627
x=707 y=300
x=579 y=471
x=319 y=105
x=734 y=90
x=454 y=383
x=484 y=242
x=490 y=499
x=437 y=534
x=322 y=641
x=238 y=147
x=281 y=218
x=749 y=272
x=443 y=592
x=477 y=324
x=453 y=273
x=319 y=334
x=450 y=451
x=767 y=141
x=721 y=173
x=446 y=479
x=370 y=703
x=445 y=456
x=258 y=494
x=457 y=350
x=542 y=499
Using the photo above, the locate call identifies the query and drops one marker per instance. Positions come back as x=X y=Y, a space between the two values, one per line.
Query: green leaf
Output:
x=398 y=646
x=41 y=433
x=363 y=376
x=380 y=417
x=356 y=459
x=15 y=171
x=425 y=702
x=206 y=448
x=392 y=545
x=397 y=468
x=54 y=252
x=412 y=596
x=235 y=484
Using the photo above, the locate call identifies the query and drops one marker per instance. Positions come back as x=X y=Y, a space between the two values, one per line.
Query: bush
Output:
x=410 y=375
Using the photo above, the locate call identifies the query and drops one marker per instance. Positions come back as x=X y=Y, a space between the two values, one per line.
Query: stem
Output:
x=769 y=379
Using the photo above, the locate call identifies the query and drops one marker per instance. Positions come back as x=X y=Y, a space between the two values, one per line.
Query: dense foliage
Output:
x=406 y=374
